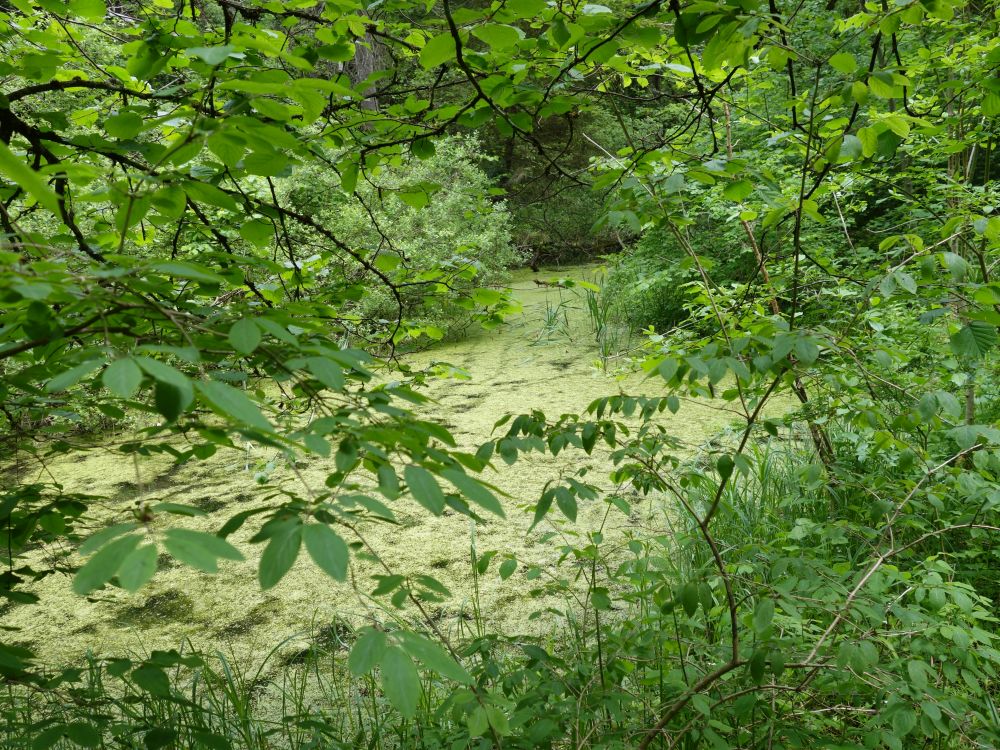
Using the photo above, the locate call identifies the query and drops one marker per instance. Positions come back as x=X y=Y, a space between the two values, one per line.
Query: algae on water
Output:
x=537 y=360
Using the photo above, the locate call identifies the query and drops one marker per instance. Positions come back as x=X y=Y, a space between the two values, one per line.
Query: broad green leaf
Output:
x=844 y=62
x=124 y=125
x=757 y=666
x=258 y=232
x=211 y=55
x=233 y=404
x=400 y=681
x=96 y=541
x=433 y=656
x=566 y=502
x=975 y=339
x=137 y=568
x=279 y=555
x=92 y=10
x=327 y=550
x=438 y=50
x=244 y=336
x=122 y=377
x=474 y=490
x=477 y=722
x=991 y=105
x=152 y=679
x=903 y=721
x=72 y=376
x=13 y=168
x=187 y=270
x=414 y=198
x=498 y=36
x=366 y=652
x=725 y=466
x=105 y=563
x=199 y=549
x=497 y=718
x=424 y=488
x=327 y=372
x=83 y=734
x=688 y=596
x=737 y=191
x=763 y=614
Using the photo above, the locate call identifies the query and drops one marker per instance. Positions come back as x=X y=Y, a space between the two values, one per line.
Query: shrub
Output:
x=442 y=247
x=649 y=284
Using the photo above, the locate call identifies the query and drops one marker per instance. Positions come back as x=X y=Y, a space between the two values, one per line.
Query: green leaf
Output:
x=199 y=549
x=122 y=377
x=186 y=270
x=137 y=568
x=92 y=10
x=757 y=665
x=98 y=540
x=438 y=50
x=244 y=336
x=388 y=482
x=414 y=198
x=327 y=550
x=432 y=656
x=124 y=125
x=688 y=596
x=400 y=681
x=507 y=568
x=170 y=201
x=83 y=734
x=844 y=62
x=903 y=721
x=424 y=488
x=497 y=718
x=763 y=614
x=991 y=105
x=13 y=168
x=105 y=563
x=279 y=555
x=725 y=466
x=422 y=148
x=229 y=402
x=806 y=350
x=171 y=401
x=498 y=36
x=366 y=652
x=566 y=501
x=229 y=148
x=474 y=491
x=258 y=232
x=152 y=679
x=477 y=722
x=211 y=55
x=737 y=191
x=71 y=377
x=974 y=340
x=327 y=372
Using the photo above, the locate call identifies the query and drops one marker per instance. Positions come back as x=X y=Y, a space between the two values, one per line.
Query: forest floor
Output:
x=544 y=358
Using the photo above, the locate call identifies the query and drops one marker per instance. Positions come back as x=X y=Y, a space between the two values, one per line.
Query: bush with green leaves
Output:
x=433 y=217
x=651 y=284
